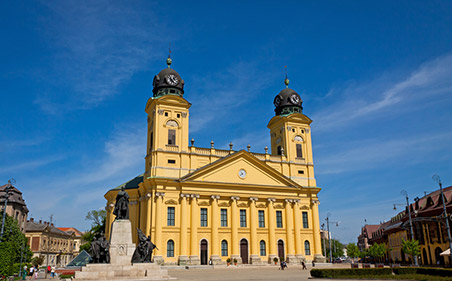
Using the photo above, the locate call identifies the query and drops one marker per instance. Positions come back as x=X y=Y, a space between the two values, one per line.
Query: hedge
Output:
x=332 y=273
x=444 y=272
x=361 y=272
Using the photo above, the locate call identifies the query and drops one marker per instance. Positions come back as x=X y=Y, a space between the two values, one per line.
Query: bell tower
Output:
x=168 y=114
x=290 y=134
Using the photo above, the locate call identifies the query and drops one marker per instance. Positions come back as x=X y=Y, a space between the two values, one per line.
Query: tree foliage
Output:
x=336 y=246
x=98 y=218
x=37 y=261
x=352 y=250
x=411 y=247
x=377 y=251
x=13 y=246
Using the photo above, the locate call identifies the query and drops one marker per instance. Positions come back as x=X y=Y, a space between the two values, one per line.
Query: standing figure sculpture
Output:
x=143 y=251
x=121 y=210
x=100 y=250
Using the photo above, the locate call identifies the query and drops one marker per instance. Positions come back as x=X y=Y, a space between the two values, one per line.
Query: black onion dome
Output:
x=288 y=101
x=168 y=82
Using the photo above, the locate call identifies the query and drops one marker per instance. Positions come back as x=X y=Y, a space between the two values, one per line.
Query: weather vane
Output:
x=286 y=81
x=168 y=60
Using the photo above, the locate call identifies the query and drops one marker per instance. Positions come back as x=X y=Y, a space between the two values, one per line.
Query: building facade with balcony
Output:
x=202 y=205
x=55 y=245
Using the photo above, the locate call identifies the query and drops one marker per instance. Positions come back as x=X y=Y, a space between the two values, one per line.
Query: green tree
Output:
x=98 y=218
x=337 y=248
x=13 y=246
x=377 y=251
x=411 y=247
x=352 y=250
x=37 y=261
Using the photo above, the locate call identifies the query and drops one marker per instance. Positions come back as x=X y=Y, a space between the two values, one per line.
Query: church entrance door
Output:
x=280 y=249
x=244 y=251
x=203 y=251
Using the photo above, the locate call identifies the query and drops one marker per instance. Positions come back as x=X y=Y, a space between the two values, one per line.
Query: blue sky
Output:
x=376 y=78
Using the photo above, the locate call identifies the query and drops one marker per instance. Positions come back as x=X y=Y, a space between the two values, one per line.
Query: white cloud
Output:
x=368 y=154
x=357 y=102
x=82 y=189
x=98 y=46
x=30 y=164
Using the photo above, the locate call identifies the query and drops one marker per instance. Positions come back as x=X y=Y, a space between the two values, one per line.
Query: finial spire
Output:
x=168 y=60
x=286 y=81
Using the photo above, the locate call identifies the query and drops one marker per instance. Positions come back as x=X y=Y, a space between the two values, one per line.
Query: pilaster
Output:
x=254 y=256
x=271 y=230
x=235 y=229
x=184 y=218
x=318 y=256
x=290 y=258
x=159 y=214
x=214 y=219
x=194 y=247
x=298 y=242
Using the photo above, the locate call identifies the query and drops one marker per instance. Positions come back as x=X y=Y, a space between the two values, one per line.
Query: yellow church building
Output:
x=205 y=205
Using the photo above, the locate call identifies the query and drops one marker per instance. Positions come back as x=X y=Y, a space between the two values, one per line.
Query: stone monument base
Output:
x=120 y=266
x=138 y=271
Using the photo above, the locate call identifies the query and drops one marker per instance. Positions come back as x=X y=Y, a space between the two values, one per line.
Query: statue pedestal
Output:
x=121 y=245
x=120 y=266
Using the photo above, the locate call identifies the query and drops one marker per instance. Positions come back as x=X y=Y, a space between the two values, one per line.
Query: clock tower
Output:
x=168 y=114
x=290 y=134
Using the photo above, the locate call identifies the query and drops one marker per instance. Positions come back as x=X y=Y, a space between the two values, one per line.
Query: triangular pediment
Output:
x=228 y=171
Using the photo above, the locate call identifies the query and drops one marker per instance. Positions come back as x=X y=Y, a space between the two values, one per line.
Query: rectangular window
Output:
x=203 y=216
x=305 y=220
x=261 y=218
x=279 y=150
x=171 y=161
x=279 y=219
x=151 y=144
x=242 y=218
x=224 y=217
x=172 y=137
x=170 y=216
x=299 y=151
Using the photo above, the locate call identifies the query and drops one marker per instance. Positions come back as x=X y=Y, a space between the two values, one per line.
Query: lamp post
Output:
x=438 y=180
x=323 y=240
x=329 y=236
x=7 y=193
x=404 y=193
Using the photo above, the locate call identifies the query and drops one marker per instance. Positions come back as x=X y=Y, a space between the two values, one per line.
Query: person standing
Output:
x=303 y=265
x=31 y=272
x=52 y=272
x=35 y=273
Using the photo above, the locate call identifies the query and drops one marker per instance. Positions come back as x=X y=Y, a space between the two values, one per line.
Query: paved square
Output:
x=241 y=273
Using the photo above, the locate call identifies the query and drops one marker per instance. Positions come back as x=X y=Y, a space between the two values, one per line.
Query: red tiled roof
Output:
x=71 y=229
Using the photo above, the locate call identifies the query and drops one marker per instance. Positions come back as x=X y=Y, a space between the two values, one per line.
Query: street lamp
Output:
x=7 y=193
x=328 y=229
x=438 y=180
x=404 y=193
x=323 y=240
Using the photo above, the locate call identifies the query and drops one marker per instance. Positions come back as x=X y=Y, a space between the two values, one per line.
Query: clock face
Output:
x=295 y=99
x=242 y=173
x=172 y=79
x=277 y=100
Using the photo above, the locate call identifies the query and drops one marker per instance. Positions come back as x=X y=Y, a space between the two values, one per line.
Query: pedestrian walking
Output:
x=313 y=263
x=35 y=273
x=31 y=272
x=52 y=272
x=303 y=265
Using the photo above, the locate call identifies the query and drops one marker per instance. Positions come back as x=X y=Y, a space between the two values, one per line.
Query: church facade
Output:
x=205 y=205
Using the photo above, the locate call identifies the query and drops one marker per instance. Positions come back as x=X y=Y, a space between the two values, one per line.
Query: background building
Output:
x=56 y=246
x=428 y=228
x=200 y=204
x=16 y=207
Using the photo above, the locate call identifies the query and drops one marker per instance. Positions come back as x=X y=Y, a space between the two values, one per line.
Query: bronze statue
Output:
x=121 y=210
x=143 y=251
x=100 y=250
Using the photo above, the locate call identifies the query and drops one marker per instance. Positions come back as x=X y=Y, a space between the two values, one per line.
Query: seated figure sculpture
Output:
x=143 y=251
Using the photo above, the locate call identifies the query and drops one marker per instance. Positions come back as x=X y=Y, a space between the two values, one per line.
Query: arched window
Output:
x=224 y=248
x=170 y=248
x=262 y=247
x=307 y=248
